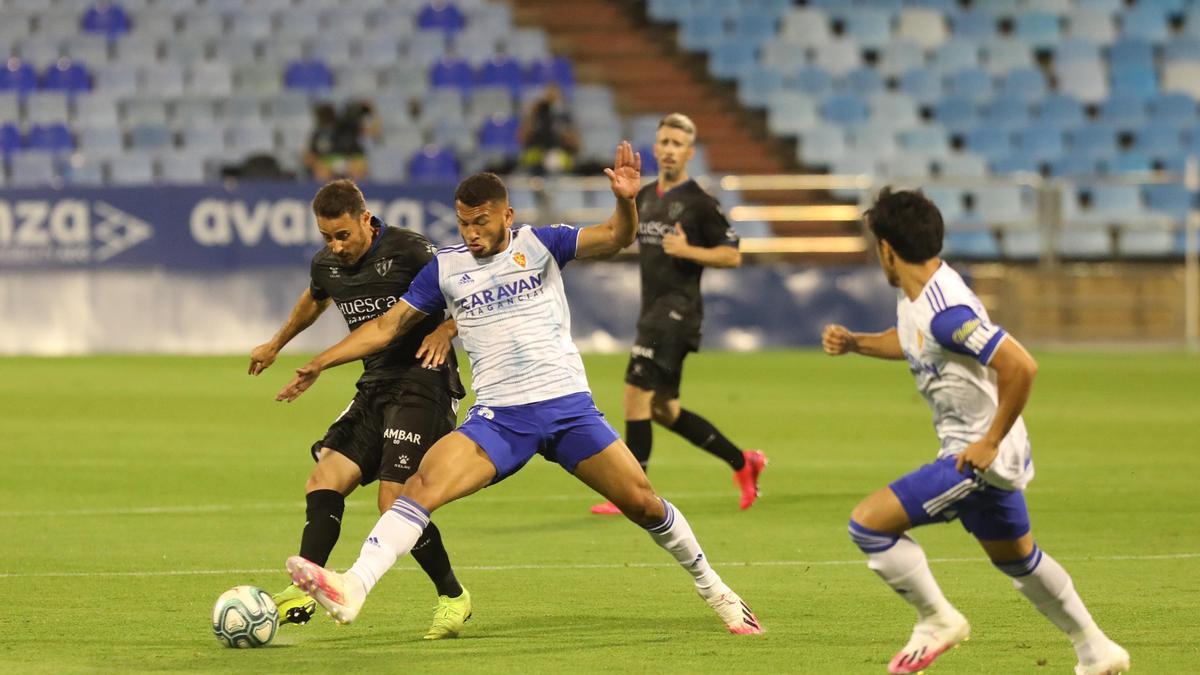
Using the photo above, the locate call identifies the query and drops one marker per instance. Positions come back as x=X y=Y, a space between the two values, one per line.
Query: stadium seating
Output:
x=207 y=82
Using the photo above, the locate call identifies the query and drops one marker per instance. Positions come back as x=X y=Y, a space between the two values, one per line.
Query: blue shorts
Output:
x=937 y=493
x=567 y=430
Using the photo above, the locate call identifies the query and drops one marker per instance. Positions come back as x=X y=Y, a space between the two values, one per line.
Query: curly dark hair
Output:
x=909 y=222
x=481 y=188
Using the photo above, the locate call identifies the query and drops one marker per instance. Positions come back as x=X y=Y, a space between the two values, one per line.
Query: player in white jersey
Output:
x=976 y=379
x=503 y=287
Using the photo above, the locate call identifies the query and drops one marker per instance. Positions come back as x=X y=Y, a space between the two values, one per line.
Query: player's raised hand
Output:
x=978 y=455
x=626 y=174
x=837 y=340
x=261 y=358
x=306 y=375
x=675 y=243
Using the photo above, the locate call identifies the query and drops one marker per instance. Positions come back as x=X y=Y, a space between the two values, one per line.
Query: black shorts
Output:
x=656 y=363
x=387 y=429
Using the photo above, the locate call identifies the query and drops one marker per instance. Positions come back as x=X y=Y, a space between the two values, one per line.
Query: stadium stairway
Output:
x=613 y=42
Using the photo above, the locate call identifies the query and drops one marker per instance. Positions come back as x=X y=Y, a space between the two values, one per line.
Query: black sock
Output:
x=324 y=526
x=431 y=555
x=639 y=435
x=705 y=436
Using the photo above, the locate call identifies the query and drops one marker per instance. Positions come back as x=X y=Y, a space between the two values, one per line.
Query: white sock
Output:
x=1048 y=586
x=675 y=535
x=394 y=535
x=903 y=567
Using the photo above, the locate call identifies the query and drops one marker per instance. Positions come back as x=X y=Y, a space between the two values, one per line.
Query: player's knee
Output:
x=868 y=540
x=388 y=493
x=664 y=412
x=644 y=508
x=862 y=513
x=1018 y=567
x=637 y=402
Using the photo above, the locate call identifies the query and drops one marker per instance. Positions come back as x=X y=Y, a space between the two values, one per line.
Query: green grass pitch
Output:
x=136 y=490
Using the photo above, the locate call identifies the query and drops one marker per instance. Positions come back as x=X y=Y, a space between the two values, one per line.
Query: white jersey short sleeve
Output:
x=948 y=340
x=512 y=315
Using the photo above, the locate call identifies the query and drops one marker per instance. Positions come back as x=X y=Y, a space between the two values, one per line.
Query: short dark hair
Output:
x=909 y=222
x=338 y=198
x=480 y=189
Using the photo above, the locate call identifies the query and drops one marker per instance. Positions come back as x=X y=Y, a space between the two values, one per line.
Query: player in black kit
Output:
x=681 y=231
x=403 y=404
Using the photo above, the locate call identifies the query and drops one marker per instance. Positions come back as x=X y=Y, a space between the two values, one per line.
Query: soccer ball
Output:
x=245 y=616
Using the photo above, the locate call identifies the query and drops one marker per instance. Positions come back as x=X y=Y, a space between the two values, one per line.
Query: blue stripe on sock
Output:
x=667 y=521
x=1023 y=567
x=871 y=541
x=421 y=523
x=406 y=501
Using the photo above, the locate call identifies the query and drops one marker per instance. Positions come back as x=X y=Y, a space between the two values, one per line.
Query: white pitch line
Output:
x=590 y=566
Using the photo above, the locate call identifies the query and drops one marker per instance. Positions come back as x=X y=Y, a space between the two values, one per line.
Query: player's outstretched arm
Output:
x=619 y=231
x=1015 y=370
x=837 y=340
x=304 y=313
x=436 y=346
x=365 y=340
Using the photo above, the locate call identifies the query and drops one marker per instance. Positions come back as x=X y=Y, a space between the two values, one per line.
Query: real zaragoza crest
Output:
x=519 y=258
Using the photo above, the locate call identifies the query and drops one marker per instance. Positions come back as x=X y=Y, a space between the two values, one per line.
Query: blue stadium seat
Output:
x=1128 y=162
x=701 y=32
x=974 y=84
x=308 y=74
x=1011 y=164
x=1040 y=30
x=1062 y=111
x=18 y=76
x=1132 y=51
x=1182 y=48
x=955 y=55
x=444 y=17
x=10 y=138
x=1026 y=83
x=1096 y=141
x=1040 y=142
x=500 y=134
x=1073 y=49
x=927 y=141
x=150 y=136
x=845 y=110
x=83 y=172
x=756 y=86
x=500 y=71
x=106 y=19
x=869 y=27
x=1149 y=23
x=897 y=57
x=433 y=165
x=1173 y=109
x=956 y=113
x=790 y=112
x=862 y=81
x=992 y=144
x=970 y=245
x=821 y=145
x=810 y=80
x=1123 y=112
x=1171 y=199
x=922 y=84
x=451 y=72
x=973 y=25
x=54 y=137
x=752 y=27
x=1006 y=112
x=949 y=201
x=1157 y=140
x=729 y=59
x=1073 y=165
x=1134 y=82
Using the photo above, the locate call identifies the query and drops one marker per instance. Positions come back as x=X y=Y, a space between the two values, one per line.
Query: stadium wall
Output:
x=214 y=270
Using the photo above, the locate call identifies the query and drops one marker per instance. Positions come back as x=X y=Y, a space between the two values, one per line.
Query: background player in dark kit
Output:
x=682 y=231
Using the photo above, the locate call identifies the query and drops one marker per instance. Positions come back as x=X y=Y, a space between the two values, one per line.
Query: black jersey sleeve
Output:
x=715 y=229
x=314 y=286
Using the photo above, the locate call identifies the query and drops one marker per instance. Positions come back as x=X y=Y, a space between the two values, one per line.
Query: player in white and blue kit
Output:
x=976 y=379
x=504 y=289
